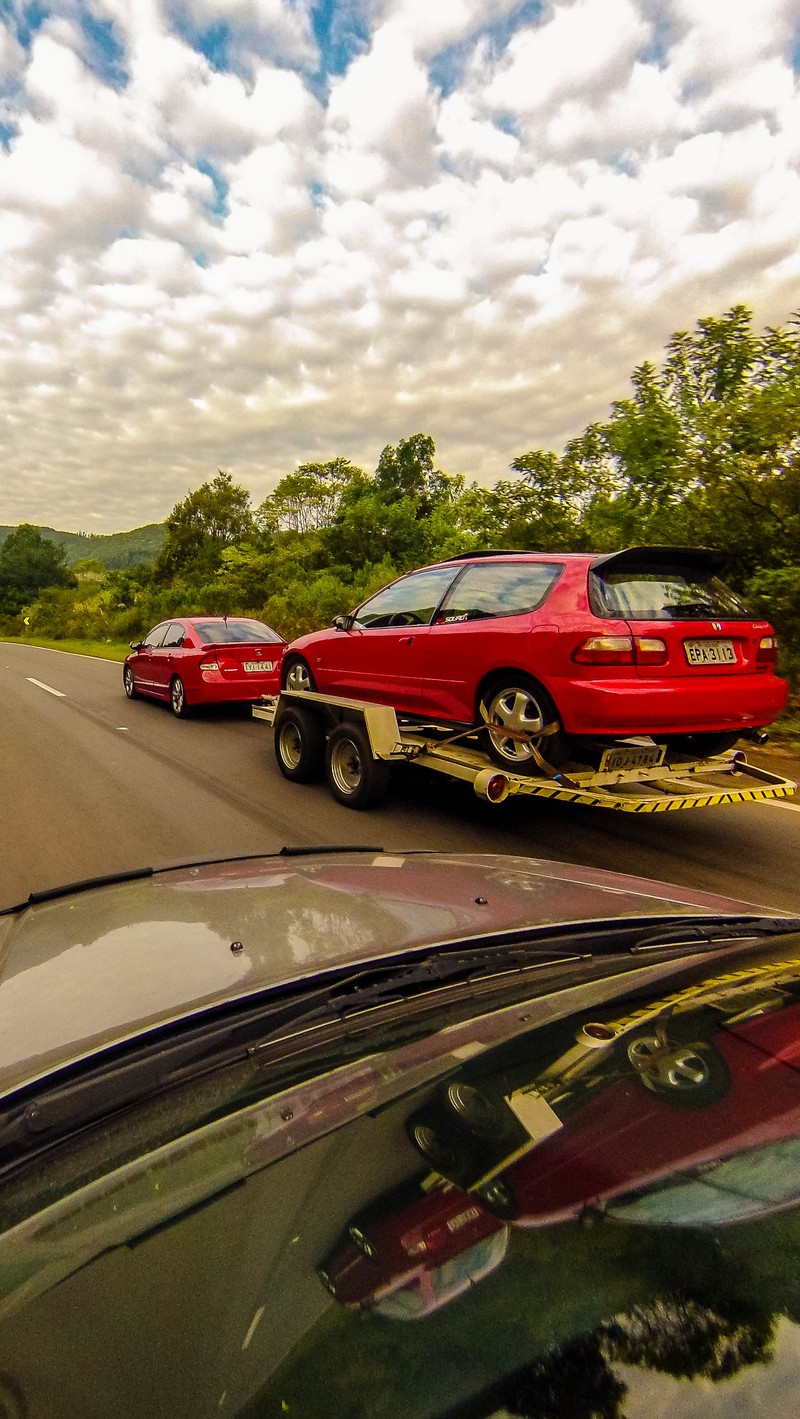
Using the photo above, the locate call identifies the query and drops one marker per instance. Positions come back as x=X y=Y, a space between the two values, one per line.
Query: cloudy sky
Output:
x=249 y=233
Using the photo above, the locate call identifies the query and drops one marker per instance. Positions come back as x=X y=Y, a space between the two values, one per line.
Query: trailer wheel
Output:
x=299 y=744
x=355 y=777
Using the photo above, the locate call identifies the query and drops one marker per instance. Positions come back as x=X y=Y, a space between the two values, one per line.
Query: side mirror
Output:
x=342 y=623
x=136 y=645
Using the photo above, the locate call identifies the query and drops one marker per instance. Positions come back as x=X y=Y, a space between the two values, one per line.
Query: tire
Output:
x=299 y=744
x=496 y=1196
x=482 y=1113
x=691 y=1076
x=355 y=777
x=519 y=703
x=297 y=674
x=177 y=697
x=440 y=1152
x=129 y=683
x=700 y=746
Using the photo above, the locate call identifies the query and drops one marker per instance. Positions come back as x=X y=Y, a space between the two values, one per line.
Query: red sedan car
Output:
x=547 y=648
x=205 y=660
x=407 y=1257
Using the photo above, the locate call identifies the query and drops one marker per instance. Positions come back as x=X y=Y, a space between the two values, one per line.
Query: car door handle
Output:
x=405 y=640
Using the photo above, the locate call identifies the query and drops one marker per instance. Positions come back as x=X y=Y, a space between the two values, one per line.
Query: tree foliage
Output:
x=216 y=515
x=29 y=562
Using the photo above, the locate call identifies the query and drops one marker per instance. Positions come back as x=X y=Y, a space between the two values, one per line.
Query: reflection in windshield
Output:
x=553 y=1263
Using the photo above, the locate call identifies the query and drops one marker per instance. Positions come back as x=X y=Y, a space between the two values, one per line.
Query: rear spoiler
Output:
x=648 y=558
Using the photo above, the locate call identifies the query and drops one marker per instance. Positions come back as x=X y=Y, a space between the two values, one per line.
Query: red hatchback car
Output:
x=205 y=660
x=548 y=648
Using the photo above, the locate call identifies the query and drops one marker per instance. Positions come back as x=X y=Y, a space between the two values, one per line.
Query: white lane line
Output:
x=770 y=803
x=48 y=688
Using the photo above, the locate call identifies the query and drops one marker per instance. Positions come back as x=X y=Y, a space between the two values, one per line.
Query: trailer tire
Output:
x=299 y=744
x=355 y=777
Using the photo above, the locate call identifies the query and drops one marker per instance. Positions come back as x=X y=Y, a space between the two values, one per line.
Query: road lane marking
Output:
x=793 y=807
x=48 y=688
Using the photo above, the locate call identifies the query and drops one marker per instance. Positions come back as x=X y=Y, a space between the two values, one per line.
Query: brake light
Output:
x=621 y=650
x=650 y=650
x=605 y=650
x=767 y=651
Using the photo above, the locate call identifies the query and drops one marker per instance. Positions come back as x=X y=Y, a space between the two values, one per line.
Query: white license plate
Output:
x=470 y=1214
x=253 y=666
x=710 y=652
x=633 y=756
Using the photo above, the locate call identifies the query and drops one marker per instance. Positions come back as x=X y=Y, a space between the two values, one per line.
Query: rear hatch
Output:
x=684 y=619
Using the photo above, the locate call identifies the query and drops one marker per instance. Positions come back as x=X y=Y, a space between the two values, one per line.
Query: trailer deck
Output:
x=667 y=785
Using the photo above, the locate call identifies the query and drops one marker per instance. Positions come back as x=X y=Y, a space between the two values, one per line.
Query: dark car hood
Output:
x=97 y=966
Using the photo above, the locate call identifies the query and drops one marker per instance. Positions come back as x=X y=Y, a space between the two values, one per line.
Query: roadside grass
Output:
x=106 y=650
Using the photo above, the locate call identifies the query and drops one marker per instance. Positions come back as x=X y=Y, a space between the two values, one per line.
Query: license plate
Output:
x=633 y=756
x=253 y=666
x=470 y=1214
x=710 y=652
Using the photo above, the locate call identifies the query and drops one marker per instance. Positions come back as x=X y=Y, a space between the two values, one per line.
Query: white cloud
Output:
x=202 y=268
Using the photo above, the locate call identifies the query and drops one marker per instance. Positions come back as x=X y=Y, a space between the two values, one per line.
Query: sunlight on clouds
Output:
x=230 y=236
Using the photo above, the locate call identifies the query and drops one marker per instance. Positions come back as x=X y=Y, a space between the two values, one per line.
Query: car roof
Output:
x=98 y=965
x=628 y=558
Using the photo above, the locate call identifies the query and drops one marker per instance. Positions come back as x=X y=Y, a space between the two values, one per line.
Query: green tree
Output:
x=199 y=528
x=28 y=563
x=308 y=499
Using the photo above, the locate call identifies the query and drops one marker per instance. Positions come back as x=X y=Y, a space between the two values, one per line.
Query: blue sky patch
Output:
x=103 y=51
x=218 y=206
x=25 y=21
x=215 y=44
x=7 y=134
x=656 y=51
x=448 y=66
x=796 y=53
x=341 y=30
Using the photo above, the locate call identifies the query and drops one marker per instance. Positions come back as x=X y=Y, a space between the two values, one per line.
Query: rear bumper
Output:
x=215 y=689
x=715 y=703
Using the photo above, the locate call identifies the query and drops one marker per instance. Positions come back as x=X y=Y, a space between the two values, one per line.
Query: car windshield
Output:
x=232 y=632
x=600 y=1200
x=664 y=594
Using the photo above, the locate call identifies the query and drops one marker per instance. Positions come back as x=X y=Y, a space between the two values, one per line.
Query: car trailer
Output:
x=354 y=743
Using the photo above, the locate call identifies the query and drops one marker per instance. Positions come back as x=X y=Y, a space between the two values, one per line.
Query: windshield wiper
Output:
x=172 y=1055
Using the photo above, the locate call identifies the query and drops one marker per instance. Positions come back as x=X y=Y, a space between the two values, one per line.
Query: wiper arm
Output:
x=164 y=1059
x=168 y=1058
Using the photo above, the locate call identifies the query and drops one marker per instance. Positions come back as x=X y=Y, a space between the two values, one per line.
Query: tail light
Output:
x=650 y=650
x=605 y=650
x=621 y=650
x=767 y=651
x=219 y=662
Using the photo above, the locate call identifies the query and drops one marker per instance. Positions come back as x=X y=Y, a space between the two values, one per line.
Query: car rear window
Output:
x=499 y=589
x=664 y=594
x=231 y=632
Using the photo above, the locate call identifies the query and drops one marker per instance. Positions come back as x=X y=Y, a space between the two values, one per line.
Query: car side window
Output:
x=409 y=602
x=499 y=589
x=174 y=637
x=156 y=637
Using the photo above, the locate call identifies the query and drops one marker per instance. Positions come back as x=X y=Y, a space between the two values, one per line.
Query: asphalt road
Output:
x=91 y=783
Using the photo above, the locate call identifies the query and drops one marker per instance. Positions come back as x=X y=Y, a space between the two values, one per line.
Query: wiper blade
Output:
x=169 y=1057
x=164 y=1059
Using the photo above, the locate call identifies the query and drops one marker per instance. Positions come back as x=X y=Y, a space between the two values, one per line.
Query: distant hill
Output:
x=116 y=550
